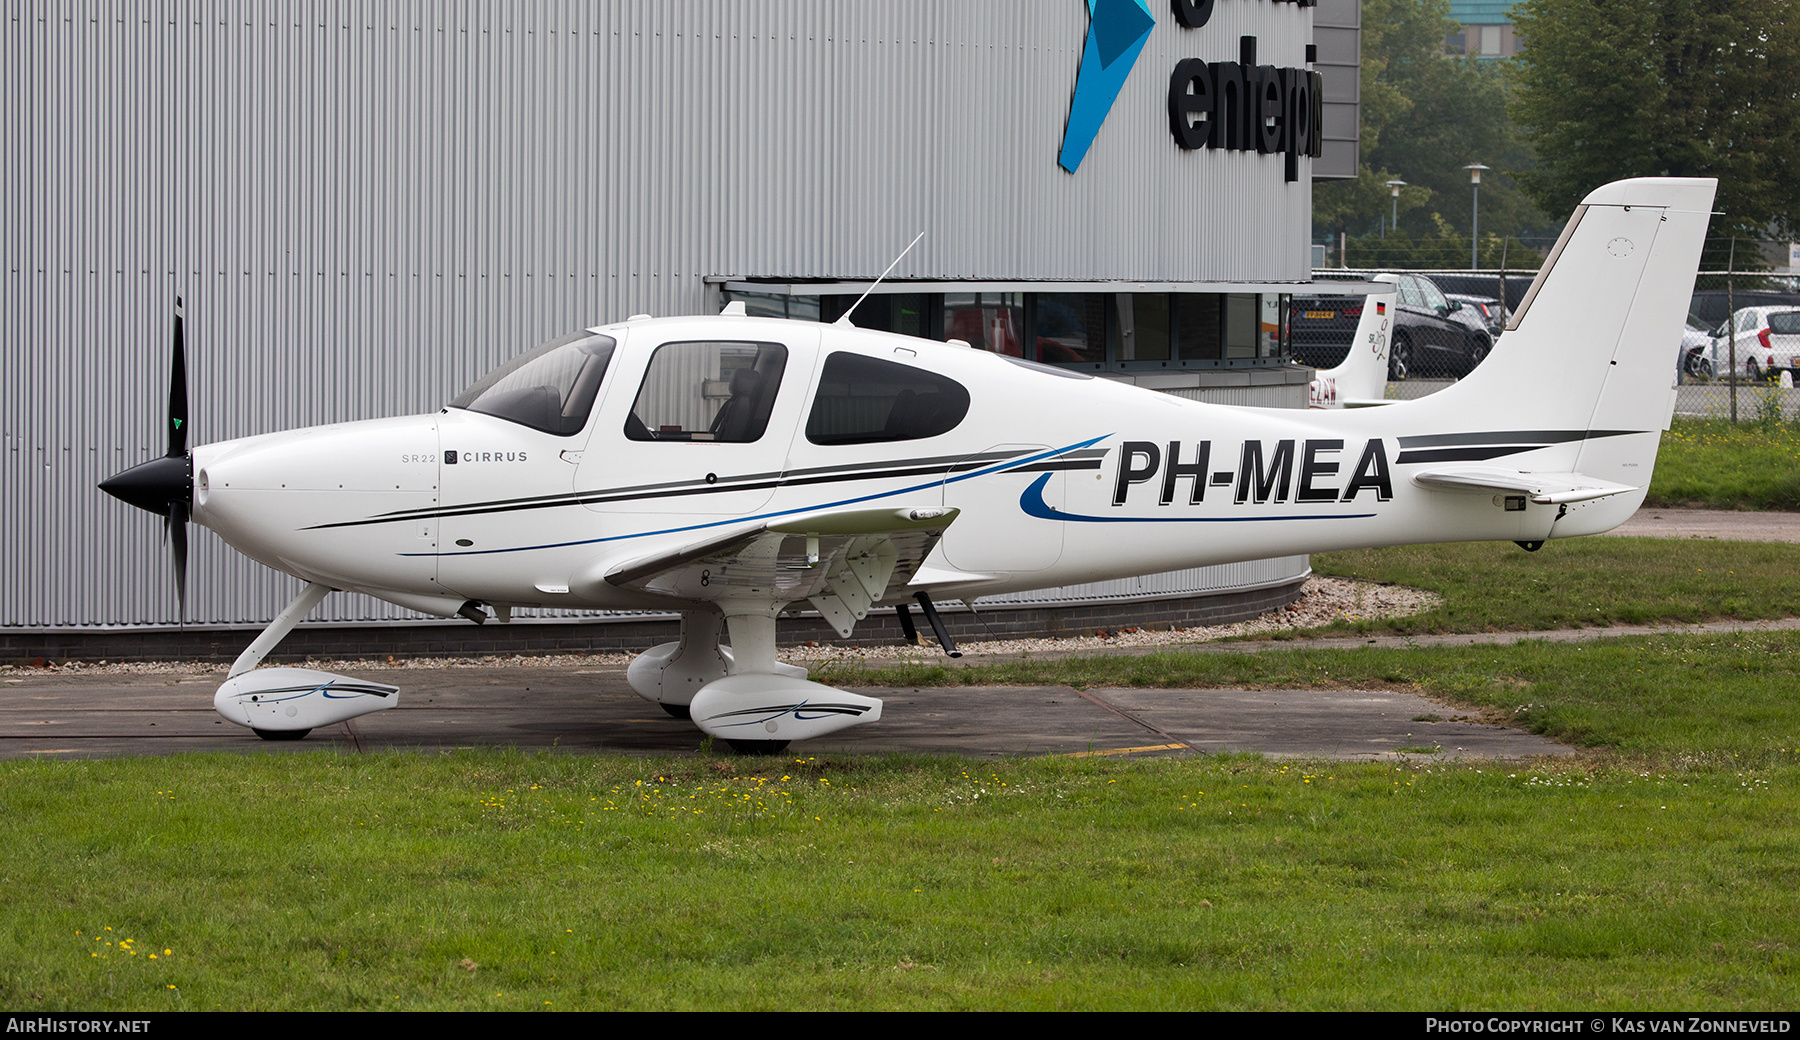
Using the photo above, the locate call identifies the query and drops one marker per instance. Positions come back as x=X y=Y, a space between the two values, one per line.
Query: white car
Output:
x=1696 y=349
x=1768 y=342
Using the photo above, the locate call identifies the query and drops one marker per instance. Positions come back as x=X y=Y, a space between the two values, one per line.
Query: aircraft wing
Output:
x=841 y=561
x=1542 y=488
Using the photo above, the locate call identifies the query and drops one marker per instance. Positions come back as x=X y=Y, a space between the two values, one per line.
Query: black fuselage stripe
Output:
x=960 y=465
x=1463 y=454
x=1538 y=437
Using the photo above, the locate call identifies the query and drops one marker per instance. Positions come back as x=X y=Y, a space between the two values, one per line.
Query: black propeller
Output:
x=165 y=486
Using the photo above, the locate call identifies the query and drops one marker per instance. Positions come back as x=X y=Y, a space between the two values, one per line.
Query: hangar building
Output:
x=367 y=205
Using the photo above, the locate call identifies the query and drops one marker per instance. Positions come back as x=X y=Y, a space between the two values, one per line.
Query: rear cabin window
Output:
x=703 y=391
x=863 y=400
x=1784 y=323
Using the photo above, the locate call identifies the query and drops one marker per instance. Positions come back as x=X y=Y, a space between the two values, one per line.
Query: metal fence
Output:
x=1732 y=377
x=1713 y=383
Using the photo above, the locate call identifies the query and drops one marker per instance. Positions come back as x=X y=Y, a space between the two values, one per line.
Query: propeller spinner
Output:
x=165 y=486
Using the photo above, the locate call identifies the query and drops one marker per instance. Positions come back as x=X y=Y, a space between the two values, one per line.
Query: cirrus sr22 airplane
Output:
x=731 y=468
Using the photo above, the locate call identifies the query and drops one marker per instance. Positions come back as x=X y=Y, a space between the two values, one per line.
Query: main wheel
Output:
x=676 y=711
x=281 y=734
x=758 y=747
x=1478 y=351
x=1399 y=357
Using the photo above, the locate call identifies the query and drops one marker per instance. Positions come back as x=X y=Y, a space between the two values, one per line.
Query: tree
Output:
x=1425 y=116
x=1683 y=88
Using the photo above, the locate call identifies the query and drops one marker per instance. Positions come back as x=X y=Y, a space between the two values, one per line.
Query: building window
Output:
x=1069 y=328
x=1094 y=331
x=987 y=321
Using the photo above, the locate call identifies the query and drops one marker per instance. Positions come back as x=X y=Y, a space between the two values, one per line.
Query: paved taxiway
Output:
x=579 y=708
x=589 y=709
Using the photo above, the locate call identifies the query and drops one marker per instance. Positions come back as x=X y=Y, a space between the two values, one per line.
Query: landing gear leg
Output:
x=670 y=674
x=284 y=622
x=762 y=705
x=288 y=703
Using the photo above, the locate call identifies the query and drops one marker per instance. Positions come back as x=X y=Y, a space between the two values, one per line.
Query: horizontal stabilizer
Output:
x=1543 y=488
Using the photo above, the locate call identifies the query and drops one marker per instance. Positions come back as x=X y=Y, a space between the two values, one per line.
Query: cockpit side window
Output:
x=551 y=388
x=863 y=400
x=705 y=391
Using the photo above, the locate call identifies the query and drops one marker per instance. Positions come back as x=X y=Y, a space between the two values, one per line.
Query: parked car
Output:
x=1696 y=349
x=1768 y=342
x=1487 y=307
x=1434 y=336
x=1709 y=304
x=1485 y=285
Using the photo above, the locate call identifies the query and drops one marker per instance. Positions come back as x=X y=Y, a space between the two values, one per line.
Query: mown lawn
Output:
x=493 y=880
x=1579 y=582
x=1660 y=869
x=1717 y=464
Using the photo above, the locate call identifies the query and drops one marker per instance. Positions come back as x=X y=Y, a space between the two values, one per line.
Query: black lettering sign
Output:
x=1193 y=13
x=1253 y=476
x=1263 y=475
x=1191 y=104
x=1311 y=466
x=1229 y=117
x=1130 y=474
x=1271 y=109
x=1371 y=472
x=1195 y=472
x=1242 y=106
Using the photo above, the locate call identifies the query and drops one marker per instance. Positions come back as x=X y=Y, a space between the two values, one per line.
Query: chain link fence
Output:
x=1747 y=376
x=1754 y=384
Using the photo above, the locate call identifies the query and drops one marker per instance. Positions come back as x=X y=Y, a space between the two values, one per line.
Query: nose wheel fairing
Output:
x=286 y=700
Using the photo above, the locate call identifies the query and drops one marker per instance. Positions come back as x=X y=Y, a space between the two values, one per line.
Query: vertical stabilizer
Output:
x=1360 y=379
x=1587 y=365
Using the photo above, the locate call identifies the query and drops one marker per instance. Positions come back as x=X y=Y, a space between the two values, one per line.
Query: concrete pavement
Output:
x=581 y=707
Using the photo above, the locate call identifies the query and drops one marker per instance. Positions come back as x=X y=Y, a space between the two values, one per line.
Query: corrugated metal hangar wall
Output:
x=367 y=205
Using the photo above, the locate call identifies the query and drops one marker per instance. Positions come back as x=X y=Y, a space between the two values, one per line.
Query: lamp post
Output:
x=1394 y=187
x=1475 y=211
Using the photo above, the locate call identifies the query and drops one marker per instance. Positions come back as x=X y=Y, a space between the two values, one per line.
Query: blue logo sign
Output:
x=1116 y=33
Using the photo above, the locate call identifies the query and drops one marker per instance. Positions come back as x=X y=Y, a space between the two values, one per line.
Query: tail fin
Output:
x=1587 y=365
x=1361 y=379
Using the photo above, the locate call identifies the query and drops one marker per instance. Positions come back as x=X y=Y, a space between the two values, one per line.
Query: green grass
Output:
x=1720 y=465
x=499 y=881
x=1663 y=697
x=1659 y=869
x=1582 y=582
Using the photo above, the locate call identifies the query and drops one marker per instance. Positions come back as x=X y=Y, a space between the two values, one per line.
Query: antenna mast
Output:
x=845 y=320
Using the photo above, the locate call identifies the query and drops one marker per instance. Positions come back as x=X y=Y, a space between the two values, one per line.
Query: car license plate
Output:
x=1321 y=315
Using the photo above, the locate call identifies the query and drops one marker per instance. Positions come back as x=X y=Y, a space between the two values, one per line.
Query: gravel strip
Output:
x=1322 y=601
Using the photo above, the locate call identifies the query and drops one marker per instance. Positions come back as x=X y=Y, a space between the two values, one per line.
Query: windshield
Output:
x=551 y=389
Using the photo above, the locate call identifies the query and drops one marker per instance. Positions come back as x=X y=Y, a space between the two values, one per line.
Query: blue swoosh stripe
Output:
x=740 y=520
x=1032 y=502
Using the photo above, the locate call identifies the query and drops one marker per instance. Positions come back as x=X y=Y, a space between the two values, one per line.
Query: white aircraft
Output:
x=1360 y=380
x=732 y=468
